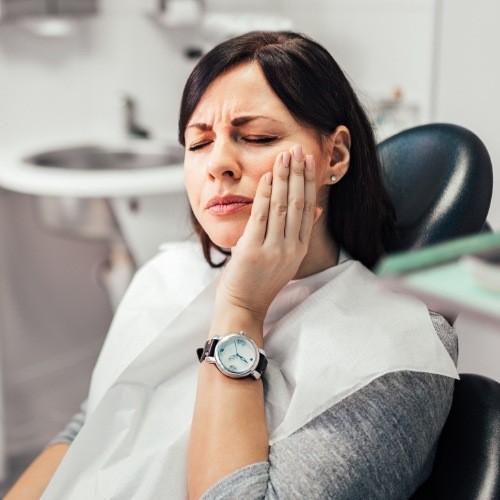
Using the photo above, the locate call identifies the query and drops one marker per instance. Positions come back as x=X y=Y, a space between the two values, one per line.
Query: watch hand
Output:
x=241 y=357
x=236 y=347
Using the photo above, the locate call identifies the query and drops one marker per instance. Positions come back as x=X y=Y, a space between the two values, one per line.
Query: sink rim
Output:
x=18 y=176
x=84 y=151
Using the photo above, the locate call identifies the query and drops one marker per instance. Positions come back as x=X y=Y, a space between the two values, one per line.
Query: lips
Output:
x=228 y=204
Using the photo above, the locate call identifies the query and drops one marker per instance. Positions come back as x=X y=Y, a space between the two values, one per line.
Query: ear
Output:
x=338 y=154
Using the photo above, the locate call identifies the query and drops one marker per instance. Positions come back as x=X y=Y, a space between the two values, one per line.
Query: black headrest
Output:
x=440 y=179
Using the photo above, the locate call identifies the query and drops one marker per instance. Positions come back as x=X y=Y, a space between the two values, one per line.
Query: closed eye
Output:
x=198 y=146
x=259 y=140
x=252 y=140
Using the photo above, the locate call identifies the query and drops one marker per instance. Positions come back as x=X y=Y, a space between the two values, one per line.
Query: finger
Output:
x=255 y=230
x=295 y=195
x=308 y=218
x=279 y=199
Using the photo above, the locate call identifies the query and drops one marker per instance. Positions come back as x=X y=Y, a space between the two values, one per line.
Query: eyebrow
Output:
x=236 y=122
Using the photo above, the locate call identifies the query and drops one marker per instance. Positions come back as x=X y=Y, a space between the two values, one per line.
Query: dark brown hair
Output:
x=360 y=215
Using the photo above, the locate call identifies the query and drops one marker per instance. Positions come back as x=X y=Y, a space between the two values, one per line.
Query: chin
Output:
x=225 y=241
x=226 y=235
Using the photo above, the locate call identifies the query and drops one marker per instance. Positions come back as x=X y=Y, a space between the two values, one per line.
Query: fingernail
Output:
x=318 y=212
x=309 y=162
x=269 y=178
x=297 y=152
x=285 y=159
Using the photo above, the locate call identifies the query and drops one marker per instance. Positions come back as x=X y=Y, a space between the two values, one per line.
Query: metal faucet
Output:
x=133 y=129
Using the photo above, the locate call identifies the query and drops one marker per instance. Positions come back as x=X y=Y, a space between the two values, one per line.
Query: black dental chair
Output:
x=440 y=179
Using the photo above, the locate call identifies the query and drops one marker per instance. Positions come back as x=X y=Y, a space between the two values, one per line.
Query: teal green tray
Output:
x=436 y=275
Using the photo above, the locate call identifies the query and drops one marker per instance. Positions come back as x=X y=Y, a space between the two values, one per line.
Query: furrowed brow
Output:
x=236 y=122
x=200 y=126
x=242 y=120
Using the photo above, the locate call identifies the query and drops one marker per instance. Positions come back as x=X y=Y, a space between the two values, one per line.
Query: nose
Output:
x=223 y=161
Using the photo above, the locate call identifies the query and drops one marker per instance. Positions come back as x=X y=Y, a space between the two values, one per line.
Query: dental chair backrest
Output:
x=440 y=179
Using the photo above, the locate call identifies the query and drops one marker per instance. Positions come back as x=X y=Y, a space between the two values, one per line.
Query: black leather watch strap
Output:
x=261 y=365
x=208 y=350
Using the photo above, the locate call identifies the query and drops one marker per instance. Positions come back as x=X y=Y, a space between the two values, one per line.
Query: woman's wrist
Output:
x=228 y=318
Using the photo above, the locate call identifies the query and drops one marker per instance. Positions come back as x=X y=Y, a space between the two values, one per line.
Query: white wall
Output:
x=468 y=75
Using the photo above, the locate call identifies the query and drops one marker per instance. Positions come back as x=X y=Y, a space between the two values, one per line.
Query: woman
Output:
x=280 y=168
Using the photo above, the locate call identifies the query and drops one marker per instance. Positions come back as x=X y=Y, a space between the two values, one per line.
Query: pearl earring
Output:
x=332 y=178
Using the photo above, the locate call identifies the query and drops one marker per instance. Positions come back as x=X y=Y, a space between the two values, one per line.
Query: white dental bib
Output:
x=326 y=336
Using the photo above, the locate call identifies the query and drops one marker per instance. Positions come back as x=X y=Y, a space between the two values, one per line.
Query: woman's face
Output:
x=232 y=139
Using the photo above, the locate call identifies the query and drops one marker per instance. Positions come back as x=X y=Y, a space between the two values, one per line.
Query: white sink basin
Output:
x=103 y=190
x=93 y=169
x=97 y=157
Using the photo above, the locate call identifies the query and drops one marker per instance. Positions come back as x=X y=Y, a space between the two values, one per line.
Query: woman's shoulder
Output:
x=446 y=334
x=385 y=430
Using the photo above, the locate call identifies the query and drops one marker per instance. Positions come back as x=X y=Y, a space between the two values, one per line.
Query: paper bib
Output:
x=340 y=338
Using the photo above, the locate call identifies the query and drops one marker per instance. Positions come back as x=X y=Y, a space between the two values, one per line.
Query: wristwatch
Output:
x=235 y=355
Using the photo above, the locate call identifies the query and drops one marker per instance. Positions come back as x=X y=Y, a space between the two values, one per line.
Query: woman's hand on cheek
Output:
x=276 y=237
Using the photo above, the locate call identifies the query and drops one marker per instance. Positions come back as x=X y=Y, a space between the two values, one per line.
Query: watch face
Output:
x=236 y=355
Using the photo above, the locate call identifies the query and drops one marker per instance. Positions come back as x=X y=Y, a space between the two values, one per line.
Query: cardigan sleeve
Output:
x=378 y=443
x=68 y=434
